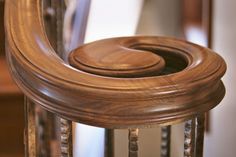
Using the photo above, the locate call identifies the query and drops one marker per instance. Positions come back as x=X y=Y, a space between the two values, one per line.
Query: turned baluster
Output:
x=108 y=57
x=66 y=138
x=165 y=141
x=129 y=82
x=133 y=142
x=30 y=129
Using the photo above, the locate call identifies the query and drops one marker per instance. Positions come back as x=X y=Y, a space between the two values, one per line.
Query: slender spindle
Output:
x=109 y=148
x=43 y=132
x=189 y=138
x=30 y=129
x=66 y=138
x=194 y=137
x=165 y=141
x=133 y=142
x=200 y=128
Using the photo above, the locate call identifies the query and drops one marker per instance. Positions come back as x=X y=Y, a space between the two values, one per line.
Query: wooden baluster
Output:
x=194 y=137
x=59 y=7
x=43 y=131
x=200 y=128
x=165 y=141
x=109 y=148
x=133 y=142
x=189 y=138
x=30 y=129
x=66 y=138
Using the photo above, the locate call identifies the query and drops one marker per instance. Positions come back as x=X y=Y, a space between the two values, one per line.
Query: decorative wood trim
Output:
x=115 y=102
x=175 y=80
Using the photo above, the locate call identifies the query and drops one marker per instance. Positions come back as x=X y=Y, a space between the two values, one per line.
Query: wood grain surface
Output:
x=111 y=58
x=186 y=85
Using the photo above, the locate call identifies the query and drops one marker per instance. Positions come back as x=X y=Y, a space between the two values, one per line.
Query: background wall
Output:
x=221 y=141
x=162 y=17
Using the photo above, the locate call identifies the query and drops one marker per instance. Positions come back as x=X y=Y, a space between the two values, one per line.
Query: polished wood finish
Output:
x=183 y=65
x=53 y=15
x=197 y=19
x=126 y=82
x=11 y=105
x=112 y=58
x=119 y=102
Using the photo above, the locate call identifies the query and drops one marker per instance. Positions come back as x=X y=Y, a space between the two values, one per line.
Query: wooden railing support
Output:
x=66 y=138
x=126 y=82
x=30 y=129
x=165 y=141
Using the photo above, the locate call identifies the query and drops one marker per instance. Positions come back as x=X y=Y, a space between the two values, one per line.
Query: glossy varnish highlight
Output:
x=128 y=100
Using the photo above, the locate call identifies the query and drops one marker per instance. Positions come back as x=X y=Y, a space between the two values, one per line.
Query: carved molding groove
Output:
x=125 y=82
x=175 y=81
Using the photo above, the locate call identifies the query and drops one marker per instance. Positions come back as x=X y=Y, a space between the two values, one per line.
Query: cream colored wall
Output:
x=221 y=141
x=161 y=17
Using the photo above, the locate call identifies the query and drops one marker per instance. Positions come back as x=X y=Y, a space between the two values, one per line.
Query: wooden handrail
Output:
x=126 y=82
x=120 y=102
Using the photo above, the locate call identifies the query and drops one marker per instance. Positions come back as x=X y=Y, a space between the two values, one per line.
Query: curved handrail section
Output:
x=110 y=101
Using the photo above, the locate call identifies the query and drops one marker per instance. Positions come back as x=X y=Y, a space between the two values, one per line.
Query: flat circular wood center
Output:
x=109 y=58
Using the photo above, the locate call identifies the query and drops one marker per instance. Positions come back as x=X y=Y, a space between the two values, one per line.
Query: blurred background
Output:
x=210 y=23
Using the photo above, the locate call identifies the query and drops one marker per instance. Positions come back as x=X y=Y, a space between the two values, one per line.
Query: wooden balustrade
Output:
x=127 y=82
